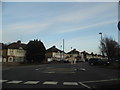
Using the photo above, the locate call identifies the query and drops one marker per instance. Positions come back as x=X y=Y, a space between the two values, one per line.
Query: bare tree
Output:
x=110 y=48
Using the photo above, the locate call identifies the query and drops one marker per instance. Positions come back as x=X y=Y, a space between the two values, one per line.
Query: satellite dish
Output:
x=119 y=25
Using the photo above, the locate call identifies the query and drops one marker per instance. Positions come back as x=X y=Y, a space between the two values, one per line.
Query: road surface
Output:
x=80 y=75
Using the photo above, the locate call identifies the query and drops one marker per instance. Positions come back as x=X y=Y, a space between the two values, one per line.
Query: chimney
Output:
x=54 y=47
x=19 y=42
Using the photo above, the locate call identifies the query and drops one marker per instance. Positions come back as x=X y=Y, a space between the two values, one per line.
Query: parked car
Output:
x=97 y=61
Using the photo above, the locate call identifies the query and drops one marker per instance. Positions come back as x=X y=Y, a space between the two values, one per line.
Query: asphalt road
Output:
x=65 y=75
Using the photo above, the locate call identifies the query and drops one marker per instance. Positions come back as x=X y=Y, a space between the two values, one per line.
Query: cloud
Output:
x=79 y=16
x=28 y=28
x=64 y=22
x=82 y=14
x=66 y=17
x=88 y=26
x=23 y=31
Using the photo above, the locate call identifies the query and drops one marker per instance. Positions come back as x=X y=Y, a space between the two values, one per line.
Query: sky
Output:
x=78 y=23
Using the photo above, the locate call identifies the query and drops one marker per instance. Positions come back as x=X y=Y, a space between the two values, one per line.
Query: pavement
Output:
x=80 y=75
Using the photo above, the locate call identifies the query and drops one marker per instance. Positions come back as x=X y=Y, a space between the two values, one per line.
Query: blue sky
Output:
x=78 y=23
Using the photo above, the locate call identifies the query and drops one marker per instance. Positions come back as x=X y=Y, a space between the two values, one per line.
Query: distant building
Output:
x=16 y=52
x=74 y=55
x=88 y=56
x=54 y=53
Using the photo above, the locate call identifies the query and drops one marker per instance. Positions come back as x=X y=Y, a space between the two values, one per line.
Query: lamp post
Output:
x=101 y=42
x=101 y=35
x=71 y=52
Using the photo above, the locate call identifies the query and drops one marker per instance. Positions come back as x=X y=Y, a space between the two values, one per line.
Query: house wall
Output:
x=89 y=56
x=16 y=52
x=75 y=55
x=54 y=56
x=16 y=55
x=57 y=54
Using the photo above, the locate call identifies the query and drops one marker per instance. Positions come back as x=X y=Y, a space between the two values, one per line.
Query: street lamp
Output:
x=71 y=52
x=102 y=43
x=101 y=35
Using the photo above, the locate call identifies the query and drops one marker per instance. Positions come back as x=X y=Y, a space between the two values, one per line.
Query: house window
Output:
x=11 y=51
x=19 y=51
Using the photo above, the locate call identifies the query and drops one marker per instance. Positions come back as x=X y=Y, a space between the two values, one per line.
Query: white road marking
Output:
x=37 y=69
x=1 y=81
x=49 y=72
x=50 y=82
x=31 y=82
x=84 y=85
x=99 y=80
x=70 y=83
x=16 y=82
x=58 y=72
x=82 y=69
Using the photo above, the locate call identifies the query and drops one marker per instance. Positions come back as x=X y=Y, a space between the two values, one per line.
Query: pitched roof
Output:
x=16 y=45
x=53 y=49
x=74 y=51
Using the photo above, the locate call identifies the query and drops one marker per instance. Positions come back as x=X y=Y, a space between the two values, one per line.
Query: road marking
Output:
x=16 y=82
x=84 y=85
x=100 y=80
x=70 y=83
x=58 y=72
x=1 y=81
x=82 y=69
x=50 y=82
x=31 y=82
x=49 y=72
x=37 y=69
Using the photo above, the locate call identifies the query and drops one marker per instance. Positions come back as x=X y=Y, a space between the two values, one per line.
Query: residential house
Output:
x=16 y=52
x=74 y=55
x=54 y=53
x=88 y=56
